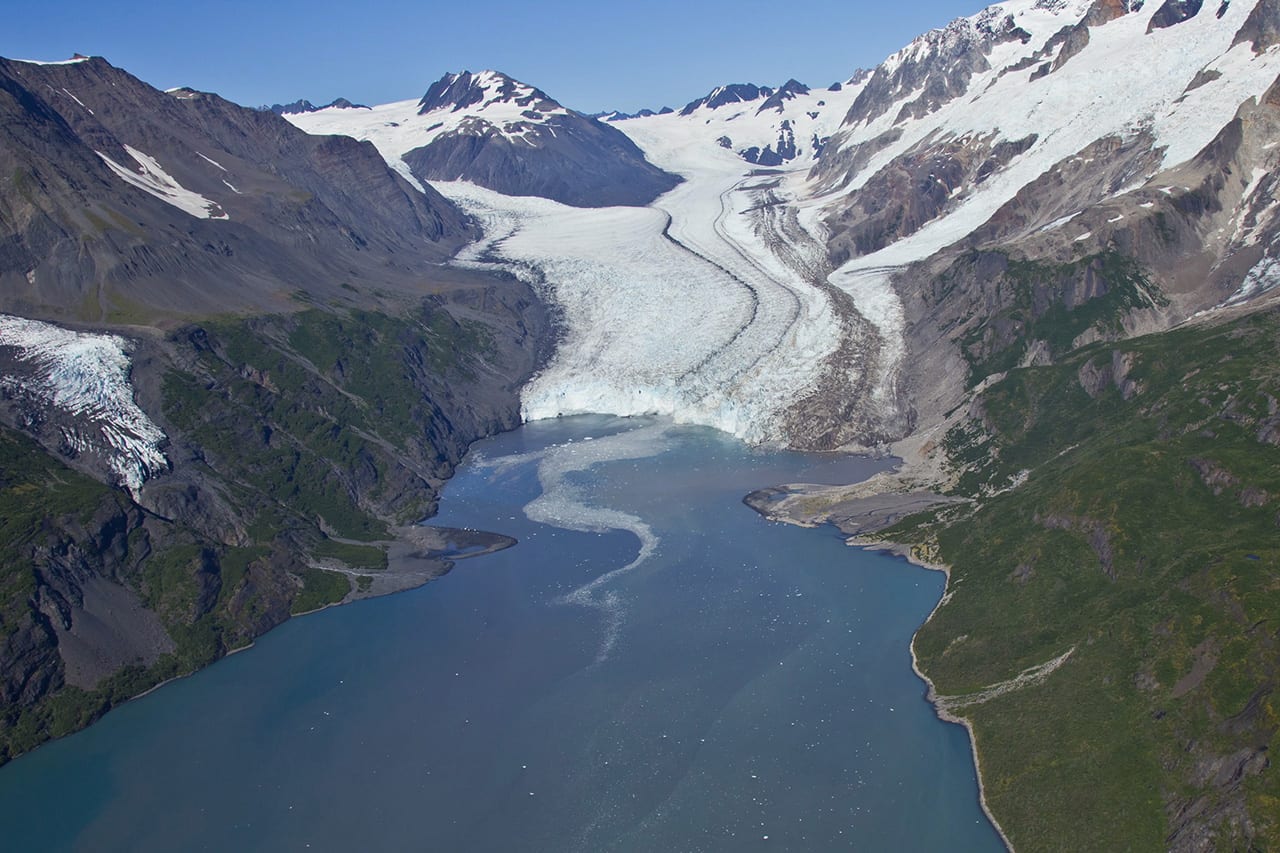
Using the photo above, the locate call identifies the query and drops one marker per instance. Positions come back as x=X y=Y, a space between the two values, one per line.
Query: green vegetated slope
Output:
x=319 y=419
x=294 y=438
x=39 y=499
x=1145 y=538
x=57 y=527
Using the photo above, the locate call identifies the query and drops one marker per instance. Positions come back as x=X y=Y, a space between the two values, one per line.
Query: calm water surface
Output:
x=653 y=667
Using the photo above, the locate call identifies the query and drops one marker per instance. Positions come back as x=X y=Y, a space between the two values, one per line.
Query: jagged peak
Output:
x=787 y=91
x=619 y=115
x=994 y=23
x=302 y=105
x=454 y=92
x=732 y=93
x=937 y=65
x=344 y=104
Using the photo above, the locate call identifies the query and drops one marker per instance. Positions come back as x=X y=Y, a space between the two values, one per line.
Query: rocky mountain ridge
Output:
x=305 y=106
x=765 y=126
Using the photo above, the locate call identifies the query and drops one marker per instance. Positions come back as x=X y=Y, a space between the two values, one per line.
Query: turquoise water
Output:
x=653 y=667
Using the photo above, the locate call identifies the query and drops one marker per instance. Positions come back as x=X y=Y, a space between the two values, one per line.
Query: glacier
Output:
x=84 y=376
x=707 y=306
x=679 y=309
x=718 y=303
x=710 y=306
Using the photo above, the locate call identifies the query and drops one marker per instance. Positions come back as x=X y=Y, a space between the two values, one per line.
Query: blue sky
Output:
x=589 y=55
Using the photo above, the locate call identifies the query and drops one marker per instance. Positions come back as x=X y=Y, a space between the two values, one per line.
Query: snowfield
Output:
x=1125 y=81
x=85 y=378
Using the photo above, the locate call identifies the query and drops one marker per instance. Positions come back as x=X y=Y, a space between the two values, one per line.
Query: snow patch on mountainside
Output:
x=1122 y=83
x=70 y=95
x=212 y=161
x=72 y=61
x=85 y=377
x=154 y=180
x=1262 y=278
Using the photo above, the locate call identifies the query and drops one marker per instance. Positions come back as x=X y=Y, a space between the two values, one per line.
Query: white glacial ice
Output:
x=698 y=307
x=85 y=377
x=697 y=327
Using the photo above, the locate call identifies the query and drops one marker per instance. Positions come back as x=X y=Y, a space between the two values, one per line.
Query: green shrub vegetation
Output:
x=309 y=403
x=368 y=557
x=319 y=588
x=36 y=492
x=1146 y=537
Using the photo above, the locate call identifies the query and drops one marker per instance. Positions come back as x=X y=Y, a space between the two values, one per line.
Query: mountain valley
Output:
x=1034 y=255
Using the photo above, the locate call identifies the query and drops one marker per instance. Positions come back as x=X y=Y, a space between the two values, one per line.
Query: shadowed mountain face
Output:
x=499 y=133
x=544 y=150
x=120 y=200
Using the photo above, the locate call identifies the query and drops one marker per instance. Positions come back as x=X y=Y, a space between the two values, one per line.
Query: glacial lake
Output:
x=654 y=667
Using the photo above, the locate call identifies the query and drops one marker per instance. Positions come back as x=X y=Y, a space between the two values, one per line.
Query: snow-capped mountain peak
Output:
x=480 y=92
x=764 y=126
x=939 y=64
x=495 y=131
x=488 y=103
x=721 y=96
